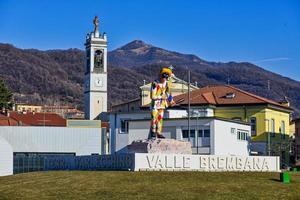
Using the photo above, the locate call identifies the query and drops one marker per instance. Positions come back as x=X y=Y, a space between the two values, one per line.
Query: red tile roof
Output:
x=7 y=121
x=38 y=119
x=217 y=95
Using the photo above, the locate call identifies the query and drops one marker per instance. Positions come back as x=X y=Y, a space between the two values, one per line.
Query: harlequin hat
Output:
x=166 y=71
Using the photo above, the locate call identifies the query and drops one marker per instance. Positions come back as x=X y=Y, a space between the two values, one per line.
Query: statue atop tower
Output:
x=96 y=23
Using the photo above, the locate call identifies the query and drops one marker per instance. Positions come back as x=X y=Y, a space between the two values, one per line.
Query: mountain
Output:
x=56 y=76
x=137 y=53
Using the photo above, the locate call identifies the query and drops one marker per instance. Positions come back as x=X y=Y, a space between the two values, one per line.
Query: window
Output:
x=192 y=133
x=237 y=118
x=282 y=127
x=185 y=133
x=232 y=131
x=200 y=133
x=272 y=128
x=230 y=95
x=207 y=133
x=124 y=126
x=253 y=126
x=282 y=130
x=242 y=135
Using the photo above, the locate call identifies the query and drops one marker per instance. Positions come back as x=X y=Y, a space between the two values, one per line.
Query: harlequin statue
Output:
x=161 y=98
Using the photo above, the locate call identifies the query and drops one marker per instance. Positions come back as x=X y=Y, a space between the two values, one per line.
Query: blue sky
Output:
x=264 y=32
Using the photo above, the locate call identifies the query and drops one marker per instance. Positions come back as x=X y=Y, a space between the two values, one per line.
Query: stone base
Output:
x=163 y=146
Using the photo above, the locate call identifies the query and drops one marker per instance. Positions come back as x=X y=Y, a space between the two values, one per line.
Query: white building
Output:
x=28 y=142
x=56 y=140
x=208 y=135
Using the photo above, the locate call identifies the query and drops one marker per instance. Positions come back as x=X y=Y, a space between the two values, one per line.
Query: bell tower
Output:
x=95 y=75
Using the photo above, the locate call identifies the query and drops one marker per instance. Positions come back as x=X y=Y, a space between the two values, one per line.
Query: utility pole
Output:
x=189 y=104
x=269 y=138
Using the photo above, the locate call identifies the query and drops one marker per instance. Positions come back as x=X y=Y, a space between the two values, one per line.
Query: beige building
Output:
x=27 y=108
x=178 y=86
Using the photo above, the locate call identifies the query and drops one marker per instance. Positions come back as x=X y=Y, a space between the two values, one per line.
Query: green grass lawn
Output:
x=148 y=185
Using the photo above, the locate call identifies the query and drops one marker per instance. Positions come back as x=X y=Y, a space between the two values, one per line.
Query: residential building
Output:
x=269 y=119
x=67 y=112
x=295 y=124
x=7 y=121
x=37 y=119
x=178 y=86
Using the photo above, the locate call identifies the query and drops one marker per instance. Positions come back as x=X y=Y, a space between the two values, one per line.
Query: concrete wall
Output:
x=224 y=142
x=175 y=113
x=82 y=141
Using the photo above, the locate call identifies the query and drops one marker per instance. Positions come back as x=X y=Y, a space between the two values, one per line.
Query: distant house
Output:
x=178 y=86
x=37 y=119
x=66 y=112
x=295 y=128
x=23 y=107
x=7 y=121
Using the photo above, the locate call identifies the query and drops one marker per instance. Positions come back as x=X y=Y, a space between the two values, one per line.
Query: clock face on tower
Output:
x=98 y=82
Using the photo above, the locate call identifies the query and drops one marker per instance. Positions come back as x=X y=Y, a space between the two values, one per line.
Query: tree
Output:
x=5 y=96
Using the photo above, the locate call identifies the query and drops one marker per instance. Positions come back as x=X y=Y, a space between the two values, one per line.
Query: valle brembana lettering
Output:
x=209 y=163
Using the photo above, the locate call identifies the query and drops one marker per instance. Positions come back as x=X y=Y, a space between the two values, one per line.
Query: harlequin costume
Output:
x=161 y=98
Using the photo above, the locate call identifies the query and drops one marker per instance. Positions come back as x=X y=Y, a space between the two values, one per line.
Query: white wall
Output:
x=119 y=140
x=223 y=142
x=173 y=113
x=6 y=158
x=82 y=141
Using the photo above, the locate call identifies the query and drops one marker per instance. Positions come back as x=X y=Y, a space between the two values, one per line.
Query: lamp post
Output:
x=196 y=113
x=189 y=104
x=197 y=133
